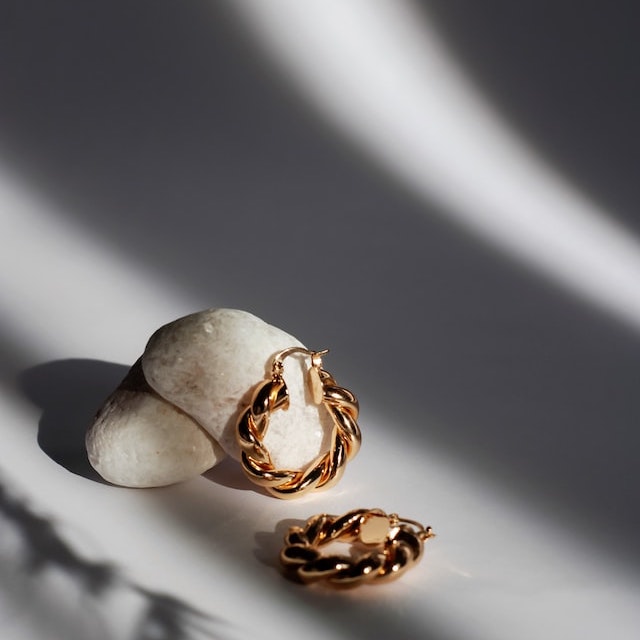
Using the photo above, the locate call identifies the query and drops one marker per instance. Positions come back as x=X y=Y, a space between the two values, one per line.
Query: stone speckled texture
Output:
x=174 y=415
x=208 y=364
x=138 y=439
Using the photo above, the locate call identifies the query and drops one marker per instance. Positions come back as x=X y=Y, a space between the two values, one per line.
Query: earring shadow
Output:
x=69 y=392
x=228 y=473
x=269 y=543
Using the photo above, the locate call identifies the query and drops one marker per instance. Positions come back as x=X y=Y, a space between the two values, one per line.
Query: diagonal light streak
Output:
x=379 y=72
x=60 y=286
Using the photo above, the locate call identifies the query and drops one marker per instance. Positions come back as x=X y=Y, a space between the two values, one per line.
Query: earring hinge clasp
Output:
x=278 y=359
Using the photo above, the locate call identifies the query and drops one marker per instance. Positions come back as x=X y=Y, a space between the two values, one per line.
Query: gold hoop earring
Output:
x=389 y=546
x=271 y=395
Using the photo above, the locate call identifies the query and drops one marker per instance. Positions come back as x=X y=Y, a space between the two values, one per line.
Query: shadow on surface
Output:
x=69 y=392
x=43 y=551
x=180 y=130
x=228 y=473
x=243 y=539
x=269 y=543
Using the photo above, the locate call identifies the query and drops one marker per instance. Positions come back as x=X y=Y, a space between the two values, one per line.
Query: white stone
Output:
x=208 y=364
x=138 y=439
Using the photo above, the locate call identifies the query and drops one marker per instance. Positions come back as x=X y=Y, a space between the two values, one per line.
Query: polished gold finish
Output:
x=388 y=546
x=271 y=395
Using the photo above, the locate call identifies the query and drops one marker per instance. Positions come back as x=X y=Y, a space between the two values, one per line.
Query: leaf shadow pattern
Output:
x=169 y=618
x=43 y=551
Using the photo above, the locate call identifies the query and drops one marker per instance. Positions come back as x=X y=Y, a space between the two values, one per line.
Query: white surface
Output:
x=497 y=569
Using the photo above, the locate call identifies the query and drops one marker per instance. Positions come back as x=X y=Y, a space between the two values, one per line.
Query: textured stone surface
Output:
x=138 y=439
x=208 y=363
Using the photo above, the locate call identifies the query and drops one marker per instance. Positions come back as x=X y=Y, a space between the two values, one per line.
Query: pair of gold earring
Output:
x=389 y=544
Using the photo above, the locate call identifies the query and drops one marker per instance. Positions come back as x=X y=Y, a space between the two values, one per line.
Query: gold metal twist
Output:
x=388 y=545
x=272 y=394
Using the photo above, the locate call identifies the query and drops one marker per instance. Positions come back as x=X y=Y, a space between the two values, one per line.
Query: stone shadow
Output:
x=69 y=392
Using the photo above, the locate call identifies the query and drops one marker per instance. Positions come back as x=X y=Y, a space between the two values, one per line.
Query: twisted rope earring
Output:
x=271 y=395
x=388 y=545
